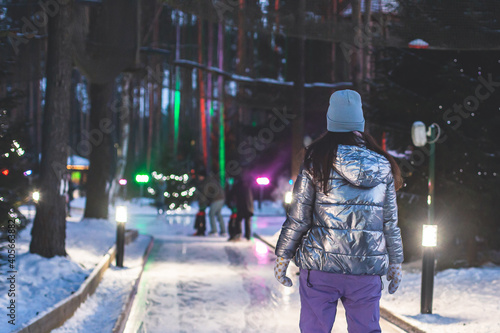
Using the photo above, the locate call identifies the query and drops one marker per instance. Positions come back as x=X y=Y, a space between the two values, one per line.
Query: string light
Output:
x=183 y=192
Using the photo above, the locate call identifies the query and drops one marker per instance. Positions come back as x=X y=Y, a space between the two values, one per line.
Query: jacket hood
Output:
x=361 y=166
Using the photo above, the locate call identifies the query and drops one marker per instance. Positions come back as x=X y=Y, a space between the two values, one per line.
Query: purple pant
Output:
x=319 y=294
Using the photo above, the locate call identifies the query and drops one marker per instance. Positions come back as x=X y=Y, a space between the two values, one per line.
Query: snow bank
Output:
x=101 y=310
x=41 y=282
x=87 y=241
x=465 y=300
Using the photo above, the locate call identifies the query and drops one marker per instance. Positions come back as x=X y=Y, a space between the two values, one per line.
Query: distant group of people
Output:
x=237 y=196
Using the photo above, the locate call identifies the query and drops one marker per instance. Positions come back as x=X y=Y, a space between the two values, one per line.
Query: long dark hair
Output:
x=322 y=153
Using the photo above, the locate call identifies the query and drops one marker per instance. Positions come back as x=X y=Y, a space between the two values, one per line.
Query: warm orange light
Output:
x=77 y=167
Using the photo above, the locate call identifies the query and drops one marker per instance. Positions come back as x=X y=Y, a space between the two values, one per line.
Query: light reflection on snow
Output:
x=261 y=253
x=286 y=292
x=261 y=248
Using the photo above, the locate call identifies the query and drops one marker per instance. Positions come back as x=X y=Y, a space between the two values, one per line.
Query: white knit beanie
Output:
x=345 y=113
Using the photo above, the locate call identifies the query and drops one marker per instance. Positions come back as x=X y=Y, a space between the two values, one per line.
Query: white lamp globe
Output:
x=418 y=134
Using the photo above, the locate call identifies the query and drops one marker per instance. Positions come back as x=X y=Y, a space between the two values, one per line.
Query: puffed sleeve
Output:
x=391 y=230
x=300 y=215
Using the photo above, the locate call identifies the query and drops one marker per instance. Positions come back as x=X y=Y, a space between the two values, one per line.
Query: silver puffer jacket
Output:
x=353 y=229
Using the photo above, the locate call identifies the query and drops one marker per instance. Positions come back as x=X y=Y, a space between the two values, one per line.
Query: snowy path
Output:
x=202 y=284
x=211 y=285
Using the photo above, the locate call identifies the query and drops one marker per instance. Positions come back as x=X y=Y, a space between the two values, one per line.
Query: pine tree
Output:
x=15 y=166
x=49 y=228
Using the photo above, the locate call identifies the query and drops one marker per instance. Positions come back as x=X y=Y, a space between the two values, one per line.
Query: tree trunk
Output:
x=241 y=70
x=105 y=43
x=158 y=87
x=201 y=103
x=177 y=96
x=367 y=42
x=149 y=85
x=220 y=96
x=159 y=117
x=130 y=166
x=298 y=122
x=49 y=228
x=124 y=121
x=209 y=97
x=357 y=44
x=101 y=127
x=39 y=117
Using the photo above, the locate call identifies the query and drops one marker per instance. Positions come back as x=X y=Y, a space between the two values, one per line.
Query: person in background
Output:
x=212 y=195
x=232 y=227
x=342 y=225
x=242 y=194
x=200 y=222
x=160 y=197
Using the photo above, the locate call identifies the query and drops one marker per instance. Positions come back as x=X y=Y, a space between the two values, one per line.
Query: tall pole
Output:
x=177 y=93
x=220 y=96
x=121 y=217
x=210 y=109
x=298 y=122
x=261 y=195
x=202 y=103
x=120 y=243
x=429 y=255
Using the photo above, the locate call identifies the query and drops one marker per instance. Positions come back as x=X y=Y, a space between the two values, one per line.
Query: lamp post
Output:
x=288 y=197
x=262 y=181
x=123 y=184
x=36 y=197
x=287 y=200
x=421 y=136
x=121 y=216
x=142 y=179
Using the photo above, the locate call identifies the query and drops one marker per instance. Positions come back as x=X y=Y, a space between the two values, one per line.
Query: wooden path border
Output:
x=64 y=309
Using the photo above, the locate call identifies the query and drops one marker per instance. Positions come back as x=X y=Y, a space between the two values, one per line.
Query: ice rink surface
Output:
x=207 y=284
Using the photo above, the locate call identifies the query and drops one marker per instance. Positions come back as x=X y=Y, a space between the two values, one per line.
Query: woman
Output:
x=342 y=224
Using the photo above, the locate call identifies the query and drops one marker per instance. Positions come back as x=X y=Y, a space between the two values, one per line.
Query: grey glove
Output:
x=395 y=274
x=280 y=267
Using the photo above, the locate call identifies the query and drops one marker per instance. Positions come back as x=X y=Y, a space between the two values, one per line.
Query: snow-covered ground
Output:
x=40 y=282
x=465 y=300
x=211 y=285
x=101 y=310
x=207 y=284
